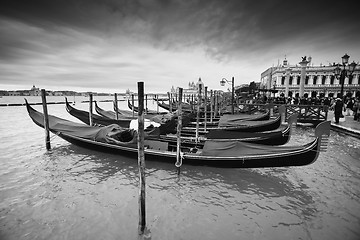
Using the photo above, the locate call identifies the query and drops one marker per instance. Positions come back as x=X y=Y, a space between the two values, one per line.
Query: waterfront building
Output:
x=34 y=91
x=193 y=88
x=14 y=93
x=319 y=80
x=58 y=93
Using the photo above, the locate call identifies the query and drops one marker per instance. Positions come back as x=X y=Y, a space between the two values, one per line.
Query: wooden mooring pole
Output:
x=170 y=101
x=211 y=106
x=192 y=103
x=90 y=109
x=157 y=104
x=216 y=103
x=116 y=107
x=146 y=106
x=133 y=108
x=141 y=158
x=205 y=108
x=46 y=119
x=198 y=116
x=178 y=133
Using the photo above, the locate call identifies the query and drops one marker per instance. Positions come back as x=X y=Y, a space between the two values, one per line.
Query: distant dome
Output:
x=285 y=62
x=199 y=84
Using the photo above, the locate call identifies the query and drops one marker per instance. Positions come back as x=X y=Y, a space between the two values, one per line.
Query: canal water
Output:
x=74 y=193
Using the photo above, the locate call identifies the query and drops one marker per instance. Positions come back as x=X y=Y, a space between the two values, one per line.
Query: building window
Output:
x=298 y=80
x=314 y=80
x=306 y=80
x=332 y=79
x=290 y=80
x=350 y=79
x=323 y=79
x=282 y=80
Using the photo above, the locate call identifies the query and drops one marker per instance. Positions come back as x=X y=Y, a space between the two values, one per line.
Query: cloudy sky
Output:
x=110 y=45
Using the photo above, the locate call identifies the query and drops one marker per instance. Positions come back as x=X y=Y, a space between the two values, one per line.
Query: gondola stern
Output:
x=35 y=116
x=67 y=105
x=293 y=118
x=322 y=132
x=292 y=121
x=282 y=109
x=27 y=105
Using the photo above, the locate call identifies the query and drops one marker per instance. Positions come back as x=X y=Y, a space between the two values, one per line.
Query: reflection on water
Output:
x=74 y=193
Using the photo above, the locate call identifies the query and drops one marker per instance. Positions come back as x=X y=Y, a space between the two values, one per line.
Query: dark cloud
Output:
x=55 y=40
x=222 y=27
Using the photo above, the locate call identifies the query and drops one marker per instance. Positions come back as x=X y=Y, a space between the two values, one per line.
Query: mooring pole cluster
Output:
x=141 y=134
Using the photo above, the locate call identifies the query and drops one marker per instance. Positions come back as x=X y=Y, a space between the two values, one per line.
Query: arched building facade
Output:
x=319 y=80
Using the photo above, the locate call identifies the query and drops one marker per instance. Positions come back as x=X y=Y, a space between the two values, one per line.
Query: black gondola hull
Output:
x=230 y=154
x=302 y=158
x=268 y=125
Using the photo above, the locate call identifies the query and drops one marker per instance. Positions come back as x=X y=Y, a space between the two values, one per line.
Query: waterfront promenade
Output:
x=346 y=125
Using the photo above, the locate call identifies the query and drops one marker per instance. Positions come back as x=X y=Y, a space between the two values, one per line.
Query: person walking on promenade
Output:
x=327 y=101
x=356 y=109
x=349 y=106
x=338 y=108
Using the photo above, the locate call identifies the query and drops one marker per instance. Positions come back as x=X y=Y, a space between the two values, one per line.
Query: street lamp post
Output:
x=222 y=83
x=346 y=71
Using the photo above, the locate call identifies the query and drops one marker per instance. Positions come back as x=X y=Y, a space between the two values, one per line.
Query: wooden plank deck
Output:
x=314 y=114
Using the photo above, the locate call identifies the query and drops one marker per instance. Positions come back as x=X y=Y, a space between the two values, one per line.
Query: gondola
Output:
x=166 y=106
x=229 y=124
x=232 y=118
x=97 y=119
x=244 y=126
x=111 y=114
x=165 y=124
x=256 y=116
x=147 y=111
x=274 y=137
x=227 y=119
x=159 y=118
x=229 y=154
x=123 y=112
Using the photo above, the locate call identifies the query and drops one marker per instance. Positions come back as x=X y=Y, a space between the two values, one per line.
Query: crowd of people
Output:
x=350 y=106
